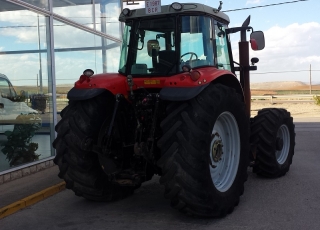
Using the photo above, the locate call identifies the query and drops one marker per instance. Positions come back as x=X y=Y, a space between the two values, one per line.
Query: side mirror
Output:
x=153 y=47
x=257 y=40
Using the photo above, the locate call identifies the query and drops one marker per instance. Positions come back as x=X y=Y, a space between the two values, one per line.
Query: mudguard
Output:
x=186 y=93
x=180 y=94
x=84 y=94
x=93 y=86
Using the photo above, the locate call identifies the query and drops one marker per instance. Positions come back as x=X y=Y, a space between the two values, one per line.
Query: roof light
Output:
x=176 y=6
x=88 y=72
x=126 y=12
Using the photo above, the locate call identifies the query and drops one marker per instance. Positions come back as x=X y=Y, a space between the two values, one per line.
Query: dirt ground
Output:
x=297 y=109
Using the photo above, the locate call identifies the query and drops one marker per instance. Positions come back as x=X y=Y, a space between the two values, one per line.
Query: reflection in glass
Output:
x=19 y=147
x=43 y=4
x=106 y=17
x=76 y=52
x=24 y=114
x=22 y=30
x=103 y=18
x=26 y=102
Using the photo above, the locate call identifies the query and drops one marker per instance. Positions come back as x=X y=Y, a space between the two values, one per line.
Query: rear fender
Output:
x=76 y=94
x=96 y=85
x=187 y=93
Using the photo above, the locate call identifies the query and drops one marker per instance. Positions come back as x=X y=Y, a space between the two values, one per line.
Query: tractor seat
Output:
x=139 y=69
x=167 y=59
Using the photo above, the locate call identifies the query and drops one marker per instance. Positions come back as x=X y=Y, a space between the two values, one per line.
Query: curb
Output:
x=30 y=200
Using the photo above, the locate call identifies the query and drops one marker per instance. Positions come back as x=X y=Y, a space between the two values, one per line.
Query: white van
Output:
x=10 y=110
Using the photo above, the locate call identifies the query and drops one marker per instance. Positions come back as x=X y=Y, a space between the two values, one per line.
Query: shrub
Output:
x=316 y=99
x=18 y=148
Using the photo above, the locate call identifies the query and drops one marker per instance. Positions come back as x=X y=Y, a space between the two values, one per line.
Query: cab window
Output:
x=223 y=60
x=196 y=41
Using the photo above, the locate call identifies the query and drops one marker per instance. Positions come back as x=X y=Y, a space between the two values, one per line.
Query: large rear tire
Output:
x=273 y=139
x=205 y=152
x=79 y=166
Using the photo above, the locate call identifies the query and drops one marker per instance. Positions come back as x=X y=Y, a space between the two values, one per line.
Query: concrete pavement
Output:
x=20 y=193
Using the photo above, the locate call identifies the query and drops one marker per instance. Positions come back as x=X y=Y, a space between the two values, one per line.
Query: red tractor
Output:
x=175 y=109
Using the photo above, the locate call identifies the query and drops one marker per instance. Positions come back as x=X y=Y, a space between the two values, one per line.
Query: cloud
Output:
x=293 y=45
x=250 y=2
x=289 y=48
x=18 y=73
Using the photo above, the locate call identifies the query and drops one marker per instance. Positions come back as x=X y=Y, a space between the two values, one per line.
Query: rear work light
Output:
x=176 y=6
x=125 y=11
x=88 y=72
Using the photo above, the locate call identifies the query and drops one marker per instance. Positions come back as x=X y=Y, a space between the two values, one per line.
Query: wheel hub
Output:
x=217 y=150
x=224 y=152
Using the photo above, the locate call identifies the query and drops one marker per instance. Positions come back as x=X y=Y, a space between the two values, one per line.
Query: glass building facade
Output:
x=44 y=47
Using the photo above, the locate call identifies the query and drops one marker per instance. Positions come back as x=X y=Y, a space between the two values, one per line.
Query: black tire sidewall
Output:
x=285 y=166
x=185 y=147
x=266 y=162
x=231 y=103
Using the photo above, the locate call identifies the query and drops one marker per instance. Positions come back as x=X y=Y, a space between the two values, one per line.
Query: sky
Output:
x=292 y=35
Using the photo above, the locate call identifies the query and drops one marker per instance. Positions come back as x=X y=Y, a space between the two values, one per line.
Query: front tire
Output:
x=273 y=138
x=205 y=152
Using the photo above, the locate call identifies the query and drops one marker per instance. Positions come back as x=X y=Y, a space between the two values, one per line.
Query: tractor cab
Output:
x=181 y=35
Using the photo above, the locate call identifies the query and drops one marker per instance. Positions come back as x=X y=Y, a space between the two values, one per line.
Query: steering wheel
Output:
x=191 y=53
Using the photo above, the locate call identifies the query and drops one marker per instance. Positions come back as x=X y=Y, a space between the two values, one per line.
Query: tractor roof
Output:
x=187 y=8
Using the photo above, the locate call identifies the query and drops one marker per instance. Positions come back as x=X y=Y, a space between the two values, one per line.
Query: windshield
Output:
x=6 y=89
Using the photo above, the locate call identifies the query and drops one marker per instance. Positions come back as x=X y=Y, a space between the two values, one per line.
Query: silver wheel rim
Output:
x=284 y=135
x=224 y=151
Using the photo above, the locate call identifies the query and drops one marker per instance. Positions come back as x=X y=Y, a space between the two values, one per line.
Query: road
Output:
x=290 y=202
